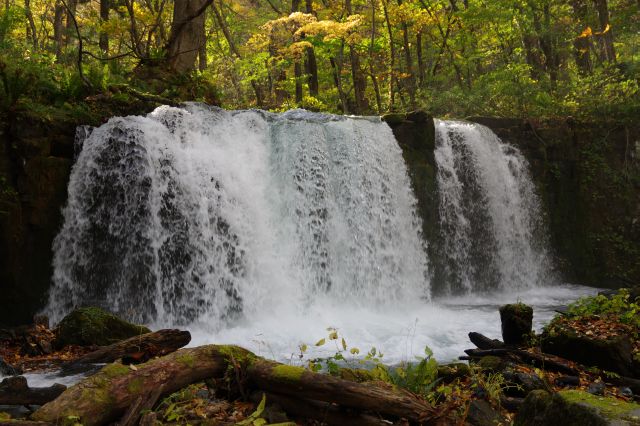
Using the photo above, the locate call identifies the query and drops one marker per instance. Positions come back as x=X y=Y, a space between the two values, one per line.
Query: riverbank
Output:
x=500 y=380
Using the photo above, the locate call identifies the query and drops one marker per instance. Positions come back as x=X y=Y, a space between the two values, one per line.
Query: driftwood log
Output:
x=483 y=342
x=16 y=391
x=142 y=347
x=108 y=395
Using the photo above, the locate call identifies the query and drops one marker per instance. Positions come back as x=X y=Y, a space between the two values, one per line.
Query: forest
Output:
x=509 y=58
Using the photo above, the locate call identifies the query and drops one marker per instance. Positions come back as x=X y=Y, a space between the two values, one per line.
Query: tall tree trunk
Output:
x=392 y=56
x=105 y=5
x=421 y=64
x=337 y=80
x=297 y=66
x=69 y=30
x=582 y=43
x=372 y=74
x=311 y=64
x=58 y=29
x=359 y=79
x=32 y=34
x=187 y=34
x=608 y=52
x=411 y=79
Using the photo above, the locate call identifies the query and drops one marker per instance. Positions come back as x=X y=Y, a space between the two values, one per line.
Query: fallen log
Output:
x=323 y=412
x=105 y=397
x=483 y=342
x=142 y=347
x=16 y=391
x=369 y=396
x=541 y=360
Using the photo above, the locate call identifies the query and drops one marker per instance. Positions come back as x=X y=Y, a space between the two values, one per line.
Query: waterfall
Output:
x=491 y=223
x=198 y=215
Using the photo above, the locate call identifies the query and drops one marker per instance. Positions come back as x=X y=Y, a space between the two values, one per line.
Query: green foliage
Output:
x=419 y=376
x=619 y=306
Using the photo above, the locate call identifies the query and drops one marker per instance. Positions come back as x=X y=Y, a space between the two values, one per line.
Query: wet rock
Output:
x=575 y=408
x=481 y=413
x=94 y=326
x=566 y=381
x=8 y=370
x=520 y=384
x=626 y=392
x=517 y=320
x=510 y=403
x=596 y=388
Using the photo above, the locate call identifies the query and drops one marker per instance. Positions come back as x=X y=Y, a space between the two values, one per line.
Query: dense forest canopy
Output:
x=520 y=58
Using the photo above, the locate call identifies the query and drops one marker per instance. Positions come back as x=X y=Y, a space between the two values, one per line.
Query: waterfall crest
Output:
x=491 y=225
x=197 y=215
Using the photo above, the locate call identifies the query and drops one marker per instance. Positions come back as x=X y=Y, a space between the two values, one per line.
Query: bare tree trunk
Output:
x=58 y=29
x=582 y=43
x=187 y=34
x=337 y=80
x=372 y=74
x=32 y=34
x=421 y=64
x=392 y=56
x=411 y=79
x=311 y=64
x=359 y=79
x=105 y=5
x=608 y=52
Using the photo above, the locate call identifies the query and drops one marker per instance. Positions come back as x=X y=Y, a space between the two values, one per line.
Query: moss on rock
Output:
x=575 y=408
x=94 y=326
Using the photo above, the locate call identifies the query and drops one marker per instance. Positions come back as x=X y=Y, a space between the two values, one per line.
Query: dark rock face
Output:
x=517 y=320
x=93 y=326
x=416 y=135
x=587 y=174
x=34 y=171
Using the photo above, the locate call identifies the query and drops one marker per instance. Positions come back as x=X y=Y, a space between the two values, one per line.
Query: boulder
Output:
x=575 y=408
x=614 y=354
x=481 y=413
x=521 y=384
x=517 y=320
x=94 y=326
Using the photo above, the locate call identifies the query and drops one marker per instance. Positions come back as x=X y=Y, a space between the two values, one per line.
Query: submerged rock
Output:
x=517 y=321
x=575 y=408
x=94 y=326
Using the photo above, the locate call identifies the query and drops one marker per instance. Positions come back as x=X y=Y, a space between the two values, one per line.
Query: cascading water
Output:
x=491 y=226
x=202 y=216
x=263 y=229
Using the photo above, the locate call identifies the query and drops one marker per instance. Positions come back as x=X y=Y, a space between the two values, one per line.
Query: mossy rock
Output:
x=94 y=326
x=575 y=408
x=449 y=372
x=491 y=363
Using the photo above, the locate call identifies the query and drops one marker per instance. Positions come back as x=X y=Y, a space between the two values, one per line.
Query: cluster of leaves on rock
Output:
x=604 y=316
x=520 y=57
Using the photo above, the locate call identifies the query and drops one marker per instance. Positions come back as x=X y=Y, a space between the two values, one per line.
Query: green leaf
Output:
x=320 y=342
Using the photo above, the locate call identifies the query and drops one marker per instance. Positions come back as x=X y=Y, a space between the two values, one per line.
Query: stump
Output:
x=517 y=321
